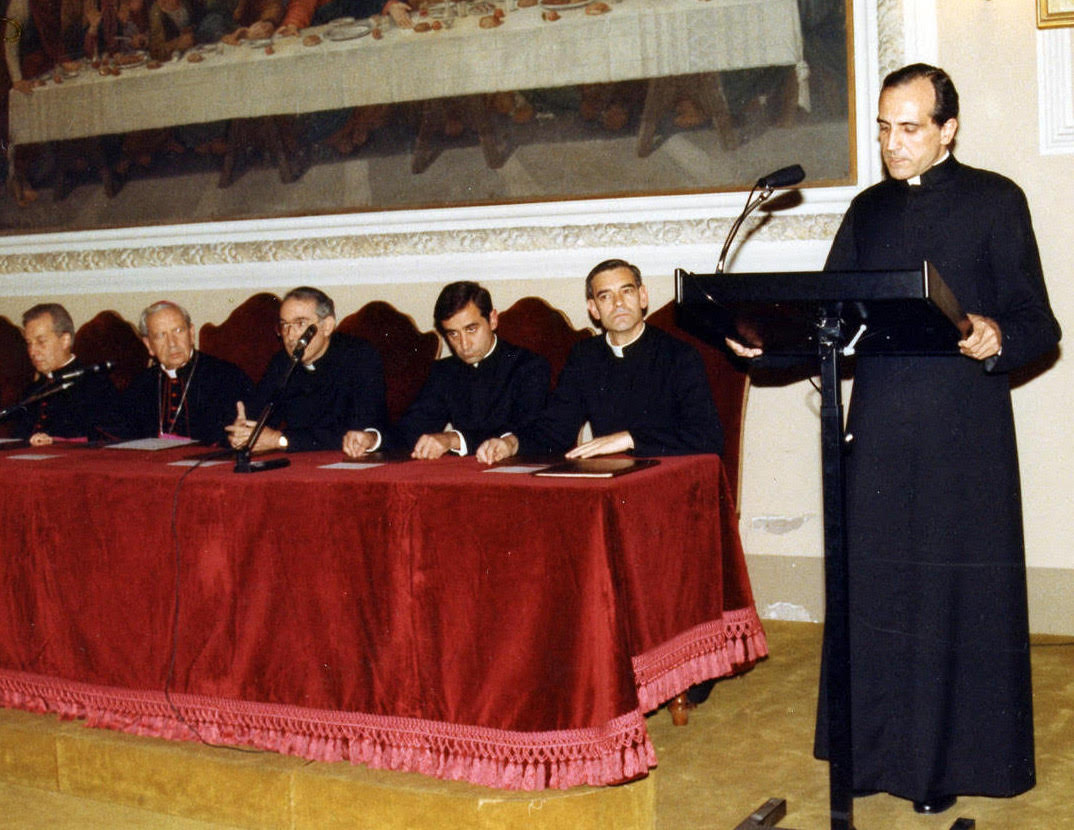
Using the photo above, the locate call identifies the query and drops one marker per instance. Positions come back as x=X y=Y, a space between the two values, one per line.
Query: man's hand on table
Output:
x=357 y=442
x=287 y=30
x=23 y=86
x=239 y=432
x=40 y=439
x=604 y=445
x=435 y=444
x=497 y=449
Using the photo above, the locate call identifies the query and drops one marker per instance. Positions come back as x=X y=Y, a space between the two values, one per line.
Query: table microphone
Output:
x=303 y=342
x=784 y=177
x=72 y=374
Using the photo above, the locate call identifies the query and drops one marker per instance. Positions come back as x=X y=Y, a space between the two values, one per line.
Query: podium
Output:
x=824 y=316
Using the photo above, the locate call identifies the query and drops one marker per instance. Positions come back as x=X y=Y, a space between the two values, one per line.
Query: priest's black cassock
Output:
x=341 y=390
x=76 y=412
x=502 y=393
x=198 y=403
x=657 y=391
x=941 y=699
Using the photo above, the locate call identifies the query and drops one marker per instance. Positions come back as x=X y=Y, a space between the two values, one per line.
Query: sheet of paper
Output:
x=33 y=456
x=152 y=444
x=349 y=465
x=514 y=468
x=193 y=462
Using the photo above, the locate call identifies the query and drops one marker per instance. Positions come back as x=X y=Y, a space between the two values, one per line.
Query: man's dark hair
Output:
x=610 y=265
x=61 y=320
x=455 y=296
x=324 y=305
x=946 y=95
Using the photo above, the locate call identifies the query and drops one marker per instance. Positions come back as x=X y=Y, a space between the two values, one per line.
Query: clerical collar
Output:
x=70 y=360
x=916 y=180
x=618 y=350
x=488 y=354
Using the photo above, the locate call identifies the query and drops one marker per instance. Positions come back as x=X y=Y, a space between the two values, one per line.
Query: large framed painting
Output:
x=123 y=113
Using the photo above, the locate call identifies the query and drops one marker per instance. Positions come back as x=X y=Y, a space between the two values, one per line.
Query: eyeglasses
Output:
x=301 y=324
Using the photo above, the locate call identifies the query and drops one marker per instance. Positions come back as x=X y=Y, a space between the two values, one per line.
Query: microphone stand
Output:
x=751 y=206
x=47 y=392
x=243 y=462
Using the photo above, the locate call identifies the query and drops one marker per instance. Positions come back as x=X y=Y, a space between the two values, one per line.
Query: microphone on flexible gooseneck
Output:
x=72 y=374
x=243 y=463
x=784 y=177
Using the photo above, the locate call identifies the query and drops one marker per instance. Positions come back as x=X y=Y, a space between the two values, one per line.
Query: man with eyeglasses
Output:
x=641 y=390
x=337 y=388
x=186 y=393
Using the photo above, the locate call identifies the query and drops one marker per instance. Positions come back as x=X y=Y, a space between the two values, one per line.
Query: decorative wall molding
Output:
x=1055 y=90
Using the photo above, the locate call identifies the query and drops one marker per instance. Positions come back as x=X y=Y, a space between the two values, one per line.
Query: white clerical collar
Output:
x=174 y=373
x=488 y=354
x=69 y=361
x=618 y=350
x=916 y=180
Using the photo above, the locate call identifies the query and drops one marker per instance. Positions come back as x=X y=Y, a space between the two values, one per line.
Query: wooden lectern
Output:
x=824 y=316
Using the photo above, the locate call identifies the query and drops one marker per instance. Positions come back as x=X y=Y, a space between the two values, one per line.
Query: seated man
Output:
x=640 y=389
x=187 y=393
x=75 y=412
x=486 y=388
x=337 y=386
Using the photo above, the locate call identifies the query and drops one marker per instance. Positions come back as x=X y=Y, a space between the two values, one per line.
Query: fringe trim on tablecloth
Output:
x=718 y=648
x=617 y=751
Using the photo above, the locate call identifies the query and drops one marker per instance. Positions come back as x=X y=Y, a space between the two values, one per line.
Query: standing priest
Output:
x=941 y=701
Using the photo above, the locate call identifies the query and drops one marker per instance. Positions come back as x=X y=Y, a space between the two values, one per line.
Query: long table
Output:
x=637 y=39
x=435 y=617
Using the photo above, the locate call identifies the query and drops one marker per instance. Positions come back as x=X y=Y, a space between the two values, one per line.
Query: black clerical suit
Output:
x=76 y=412
x=198 y=403
x=657 y=391
x=941 y=699
x=502 y=393
x=340 y=391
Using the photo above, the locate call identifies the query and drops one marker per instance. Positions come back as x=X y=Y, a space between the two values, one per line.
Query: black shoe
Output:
x=935 y=804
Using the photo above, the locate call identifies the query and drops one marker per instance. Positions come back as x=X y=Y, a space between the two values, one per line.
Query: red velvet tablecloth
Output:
x=428 y=616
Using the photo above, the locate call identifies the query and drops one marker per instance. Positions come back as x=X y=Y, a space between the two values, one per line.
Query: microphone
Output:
x=300 y=347
x=784 y=177
x=303 y=342
x=65 y=375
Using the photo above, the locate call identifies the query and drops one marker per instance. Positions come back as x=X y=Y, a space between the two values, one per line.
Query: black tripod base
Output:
x=245 y=465
x=766 y=815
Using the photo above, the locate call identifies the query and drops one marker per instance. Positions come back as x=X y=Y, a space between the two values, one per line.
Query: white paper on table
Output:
x=193 y=462
x=350 y=465
x=33 y=456
x=516 y=468
x=152 y=444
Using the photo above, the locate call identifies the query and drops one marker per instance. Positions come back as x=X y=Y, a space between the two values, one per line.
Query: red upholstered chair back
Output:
x=728 y=384
x=16 y=371
x=109 y=337
x=247 y=337
x=408 y=354
x=535 y=325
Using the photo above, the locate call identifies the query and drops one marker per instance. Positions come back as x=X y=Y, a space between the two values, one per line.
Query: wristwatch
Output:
x=281 y=442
